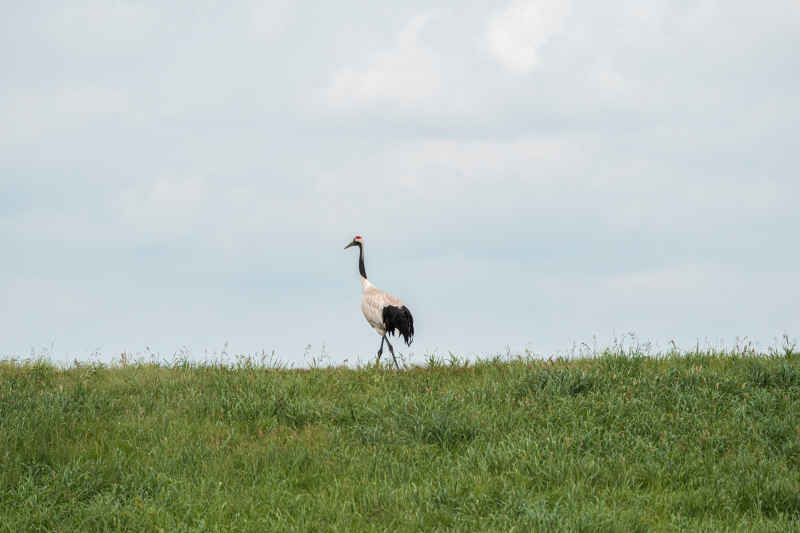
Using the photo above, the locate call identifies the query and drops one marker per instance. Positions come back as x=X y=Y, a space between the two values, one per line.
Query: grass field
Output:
x=698 y=441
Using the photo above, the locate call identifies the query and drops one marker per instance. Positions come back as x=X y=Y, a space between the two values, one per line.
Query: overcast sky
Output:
x=526 y=175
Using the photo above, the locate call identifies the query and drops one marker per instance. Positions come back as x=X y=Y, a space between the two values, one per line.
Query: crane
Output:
x=384 y=312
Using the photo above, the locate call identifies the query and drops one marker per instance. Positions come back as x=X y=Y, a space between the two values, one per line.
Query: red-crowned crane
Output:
x=383 y=311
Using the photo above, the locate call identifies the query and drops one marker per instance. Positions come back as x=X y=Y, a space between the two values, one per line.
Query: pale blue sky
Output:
x=526 y=174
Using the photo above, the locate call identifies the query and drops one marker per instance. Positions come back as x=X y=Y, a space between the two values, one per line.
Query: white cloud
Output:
x=97 y=27
x=35 y=112
x=166 y=208
x=268 y=16
x=222 y=213
x=517 y=33
x=405 y=74
x=666 y=280
x=432 y=169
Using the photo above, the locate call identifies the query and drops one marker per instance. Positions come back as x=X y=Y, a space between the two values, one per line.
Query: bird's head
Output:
x=357 y=241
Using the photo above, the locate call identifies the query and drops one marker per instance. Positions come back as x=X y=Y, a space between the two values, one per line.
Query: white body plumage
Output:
x=373 y=302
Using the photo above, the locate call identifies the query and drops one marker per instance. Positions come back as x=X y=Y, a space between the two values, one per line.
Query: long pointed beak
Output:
x=349 y=245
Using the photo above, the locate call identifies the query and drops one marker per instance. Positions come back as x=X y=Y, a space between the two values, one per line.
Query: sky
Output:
x=180 y=179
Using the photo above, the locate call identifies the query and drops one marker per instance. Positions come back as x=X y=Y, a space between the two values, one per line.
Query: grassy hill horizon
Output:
x=704 y=440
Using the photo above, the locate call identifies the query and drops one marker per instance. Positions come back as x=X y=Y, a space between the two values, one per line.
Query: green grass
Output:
x=704 y=441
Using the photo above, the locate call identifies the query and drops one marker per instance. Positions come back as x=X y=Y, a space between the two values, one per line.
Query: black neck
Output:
x=361 y=261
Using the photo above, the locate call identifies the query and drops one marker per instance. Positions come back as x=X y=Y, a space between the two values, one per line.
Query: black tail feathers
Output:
x=399 y=319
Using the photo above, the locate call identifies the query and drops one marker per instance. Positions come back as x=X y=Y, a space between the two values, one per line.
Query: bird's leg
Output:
x=380 y=350
x=391 y=351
